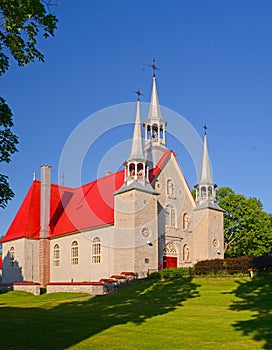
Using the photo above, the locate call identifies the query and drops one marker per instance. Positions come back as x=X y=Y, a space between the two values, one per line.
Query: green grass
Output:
x=205 y=313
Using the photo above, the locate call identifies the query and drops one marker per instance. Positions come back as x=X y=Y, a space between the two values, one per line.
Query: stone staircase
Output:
x=116 y=282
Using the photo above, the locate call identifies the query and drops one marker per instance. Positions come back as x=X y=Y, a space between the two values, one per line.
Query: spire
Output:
x=136 y=166
x=205 y=189
x=155 y=126
x=137 y=150
x=205 y=177
x=154 y=108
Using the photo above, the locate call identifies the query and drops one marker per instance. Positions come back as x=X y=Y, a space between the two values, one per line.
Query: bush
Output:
x=233 y=266
x=205 y=267
x=172 y=273
x=154 y=276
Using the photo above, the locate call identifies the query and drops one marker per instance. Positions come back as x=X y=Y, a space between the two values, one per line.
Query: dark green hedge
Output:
x=231 y=266
x=219 y=267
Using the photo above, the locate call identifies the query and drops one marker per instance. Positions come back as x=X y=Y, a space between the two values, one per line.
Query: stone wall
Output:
x=86 y=270
x=33 y=288
x=95 y=288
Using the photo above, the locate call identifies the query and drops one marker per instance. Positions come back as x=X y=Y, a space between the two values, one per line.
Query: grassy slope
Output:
x=198 y=314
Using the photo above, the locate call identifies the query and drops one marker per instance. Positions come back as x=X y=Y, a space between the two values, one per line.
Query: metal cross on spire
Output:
x=138 y=93
x=205 y=128
x=154 y=67
x=62 y=178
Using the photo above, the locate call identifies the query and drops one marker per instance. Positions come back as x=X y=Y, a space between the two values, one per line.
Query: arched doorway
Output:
x=170 y=258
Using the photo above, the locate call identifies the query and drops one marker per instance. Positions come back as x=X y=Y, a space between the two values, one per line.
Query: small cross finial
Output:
x=205 y=128
x=138 y=93
x=62 y=179
x=154 y=67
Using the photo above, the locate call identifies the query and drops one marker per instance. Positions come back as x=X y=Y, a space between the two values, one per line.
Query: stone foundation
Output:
x=95 y=288
x=29 y=287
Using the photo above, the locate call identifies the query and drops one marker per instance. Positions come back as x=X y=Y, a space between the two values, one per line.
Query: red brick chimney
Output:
x=44 y=243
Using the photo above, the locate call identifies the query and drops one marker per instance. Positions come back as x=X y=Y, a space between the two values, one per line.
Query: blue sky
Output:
x=215 y=60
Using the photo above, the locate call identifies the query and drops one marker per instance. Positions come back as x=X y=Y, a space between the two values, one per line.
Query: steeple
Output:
x=136 y=166
x=205 y=188
x=154 y=107
x=155 y=126
x=205 y=172
x=137 y=150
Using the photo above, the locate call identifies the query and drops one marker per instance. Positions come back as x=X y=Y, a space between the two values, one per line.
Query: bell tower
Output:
x=137 y=166
x=207 y=223
x=205 y=188
x=135 y=212
x=155 y=126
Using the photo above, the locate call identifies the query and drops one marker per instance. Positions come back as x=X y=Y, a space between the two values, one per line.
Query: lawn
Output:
x=214 y=313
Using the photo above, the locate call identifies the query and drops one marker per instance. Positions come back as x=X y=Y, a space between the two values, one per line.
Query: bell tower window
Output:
x=203 y=192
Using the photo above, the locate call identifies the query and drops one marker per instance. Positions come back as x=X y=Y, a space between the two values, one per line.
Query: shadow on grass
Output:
x=66 y=324
x=256 y=296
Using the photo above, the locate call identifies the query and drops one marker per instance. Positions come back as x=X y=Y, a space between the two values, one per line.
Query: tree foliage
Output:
x=247 y=228
x=21 y=24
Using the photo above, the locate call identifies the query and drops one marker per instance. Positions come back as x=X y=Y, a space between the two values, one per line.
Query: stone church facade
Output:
x=137 y=220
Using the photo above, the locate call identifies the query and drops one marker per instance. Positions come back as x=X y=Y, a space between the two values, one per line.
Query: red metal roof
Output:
x=72 y=209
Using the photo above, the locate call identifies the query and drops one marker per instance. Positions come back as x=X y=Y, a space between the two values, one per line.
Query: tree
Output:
x=21 y=23
x=247 y=228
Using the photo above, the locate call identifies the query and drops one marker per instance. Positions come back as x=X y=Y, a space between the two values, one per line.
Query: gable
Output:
x=169 y=169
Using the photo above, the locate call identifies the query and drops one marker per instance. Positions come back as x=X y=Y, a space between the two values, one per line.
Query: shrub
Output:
x=172 y=273
x=154 y=276
x=233 y=266
x=205 y=267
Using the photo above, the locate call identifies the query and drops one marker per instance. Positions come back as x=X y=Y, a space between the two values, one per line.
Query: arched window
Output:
x=203 y=192
x=170 y=216
x=140 y=170
x=169 y=187
x=210 y=192
x=173 y=217
x=148 y=131
x=186 y=252
x=132 y=169
x=56 y=255
x=74 y=253
x=12 y=257
x=96 y=251
x=161 y=132
x=155 y=132
x=185 y=221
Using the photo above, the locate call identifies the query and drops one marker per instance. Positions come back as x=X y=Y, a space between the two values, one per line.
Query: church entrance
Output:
x=170 y=261
x=170 y=258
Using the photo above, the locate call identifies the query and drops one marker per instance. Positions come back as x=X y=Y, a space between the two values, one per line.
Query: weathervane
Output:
x=205 y=128
x=154 y=67
x=138 y=93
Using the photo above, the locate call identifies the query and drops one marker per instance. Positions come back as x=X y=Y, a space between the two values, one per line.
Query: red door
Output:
x=170 y=261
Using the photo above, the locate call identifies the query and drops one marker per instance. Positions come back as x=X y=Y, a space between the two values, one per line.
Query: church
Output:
x=136 y=220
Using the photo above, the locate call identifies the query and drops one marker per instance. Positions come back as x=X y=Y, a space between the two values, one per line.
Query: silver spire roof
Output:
x=137 y=149
x=154 y=108
x=205 y=177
